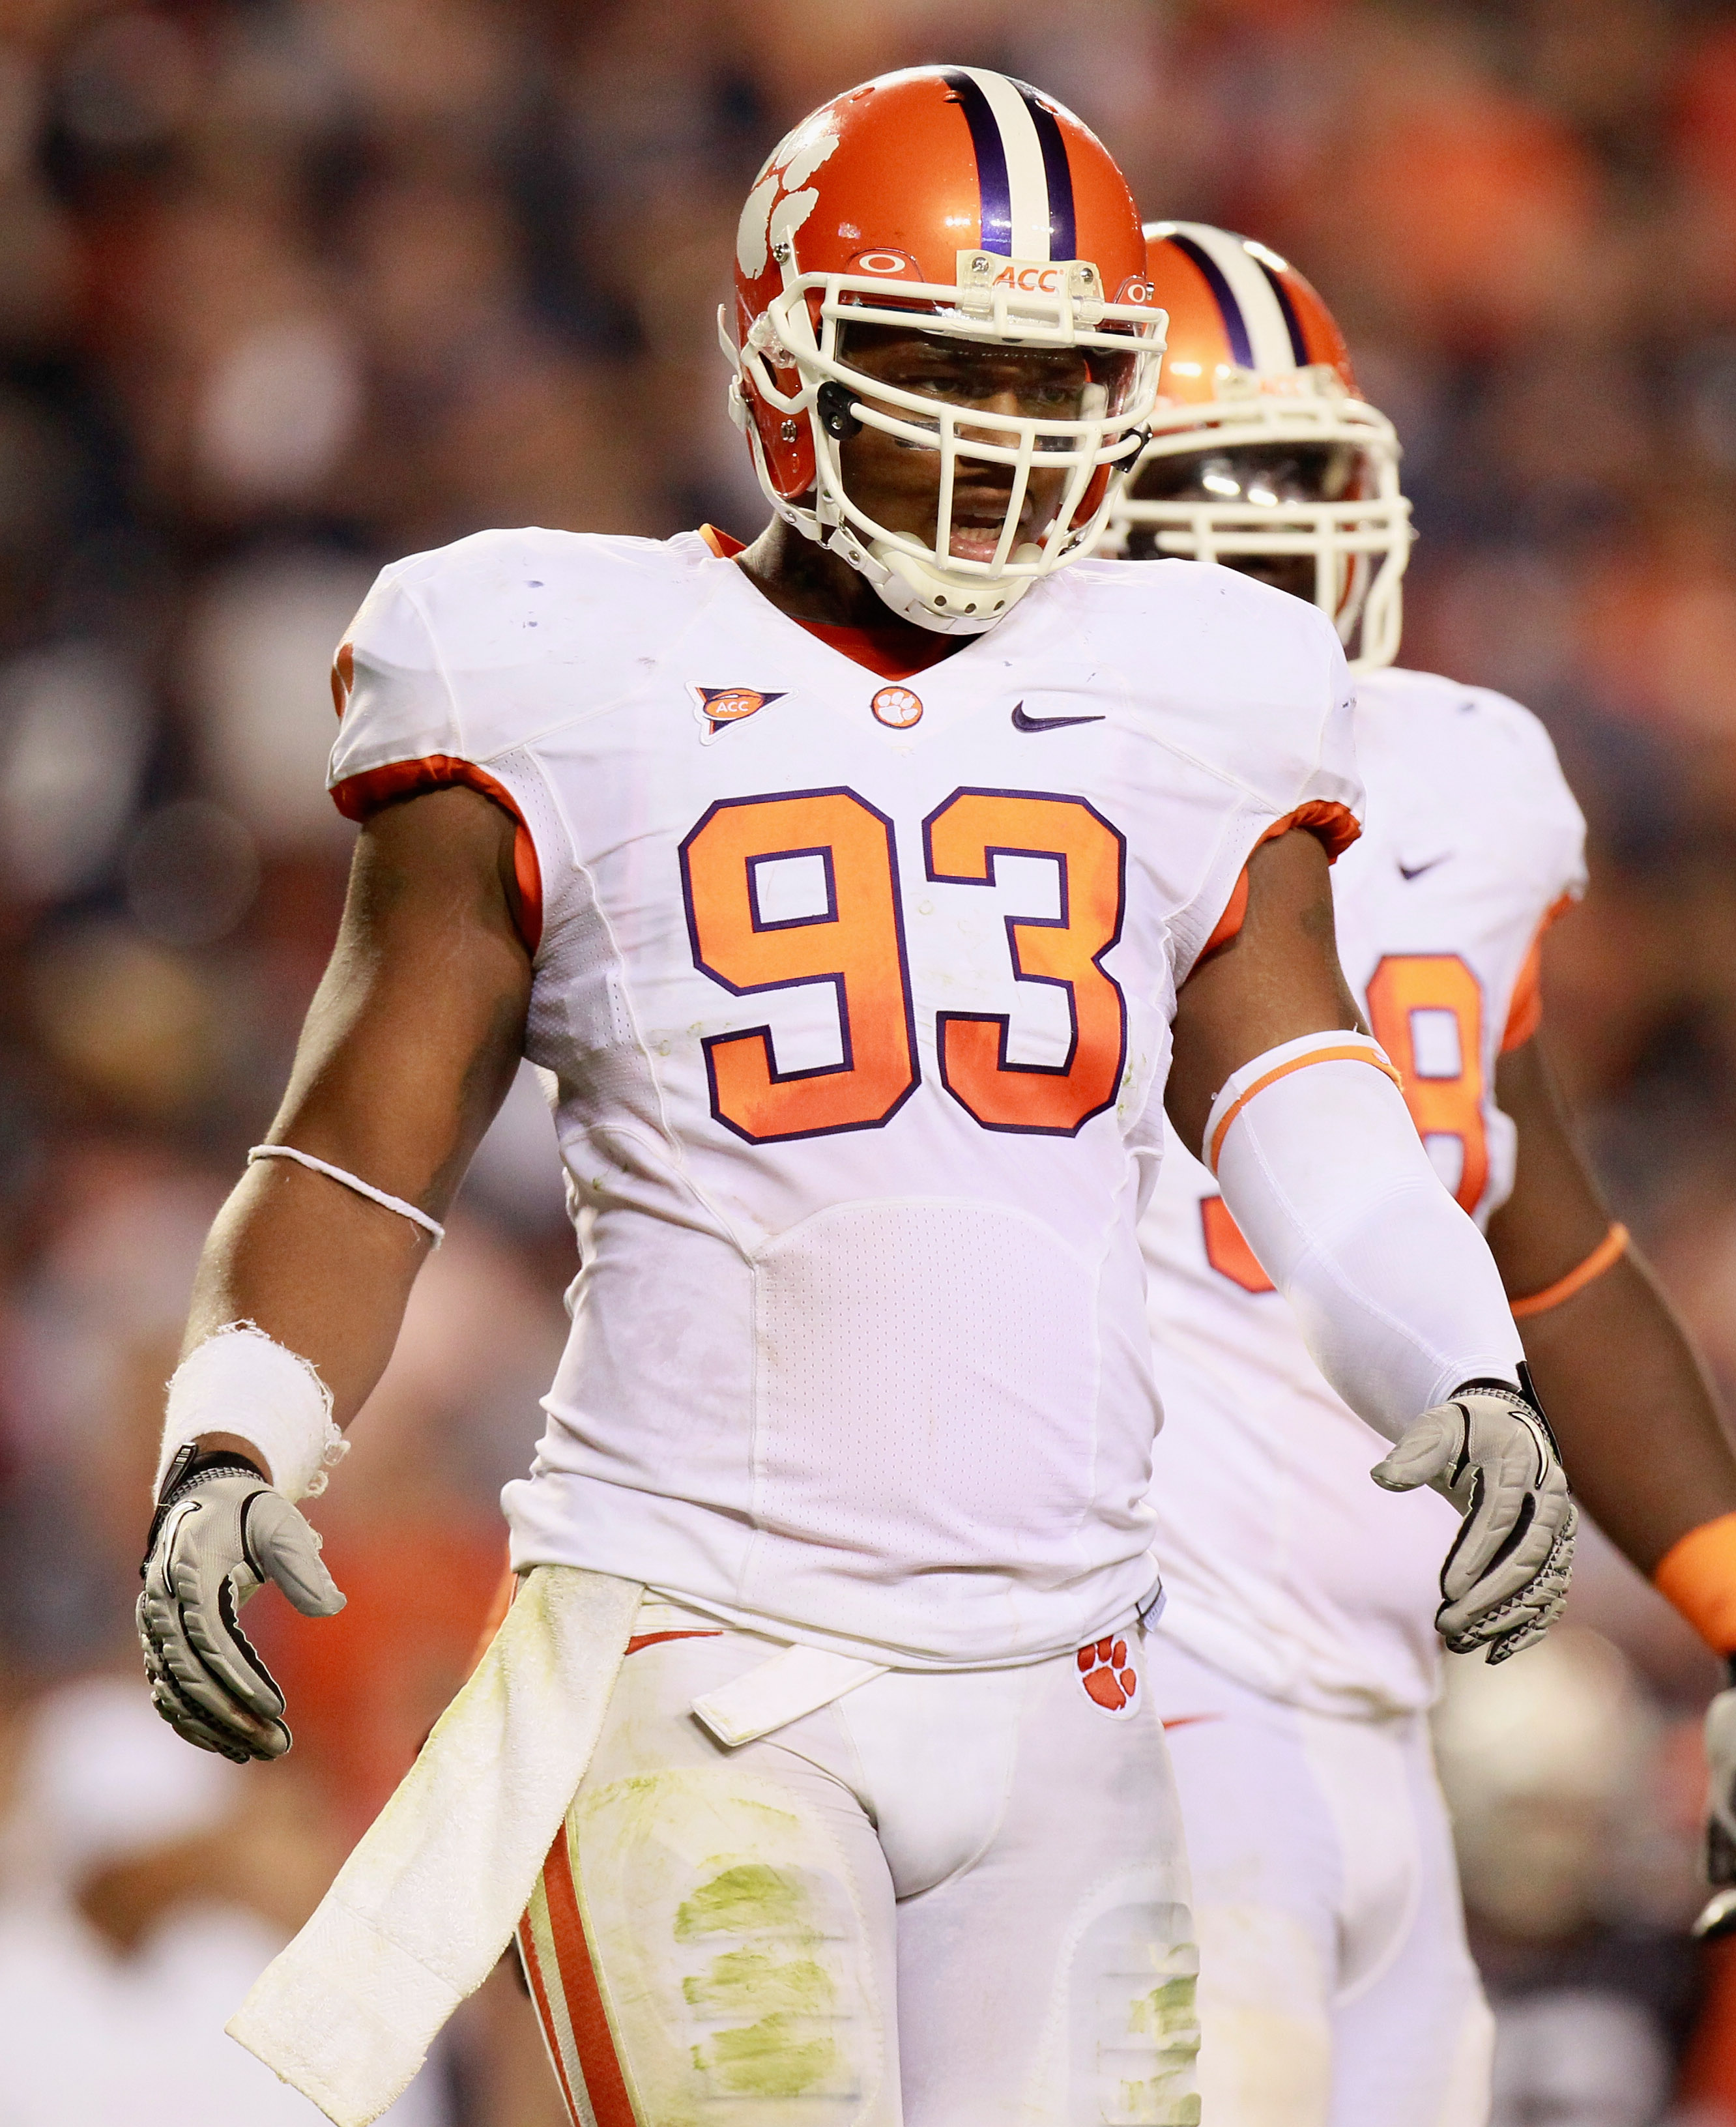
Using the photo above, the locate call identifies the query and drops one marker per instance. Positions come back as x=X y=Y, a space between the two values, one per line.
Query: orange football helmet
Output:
x=963 y=201
x=1264 y=451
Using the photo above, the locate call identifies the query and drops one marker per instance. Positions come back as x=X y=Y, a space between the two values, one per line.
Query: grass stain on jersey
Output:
x=1149 y=2104
x=752 y=1899
x=784 y=2051
x=1166 y=2009
x=748 y=1982
x=1168 y=2021
x=775 y=2058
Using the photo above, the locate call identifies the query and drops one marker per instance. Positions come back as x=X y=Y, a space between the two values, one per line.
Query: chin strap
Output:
x=916 y=594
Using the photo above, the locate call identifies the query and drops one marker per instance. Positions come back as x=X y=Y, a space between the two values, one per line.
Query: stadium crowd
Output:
x=290 y=287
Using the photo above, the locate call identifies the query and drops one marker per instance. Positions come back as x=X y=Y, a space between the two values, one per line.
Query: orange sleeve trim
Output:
x=1524 y=1012
x=1698 y=1574
x=358 y=798
x=1525 y=1009
x=724 y=544
x=1609 y=1250
x=1336 y=826
x=343 y=677
x=1343 y=1055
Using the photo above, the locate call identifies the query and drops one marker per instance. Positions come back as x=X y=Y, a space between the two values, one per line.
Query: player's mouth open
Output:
x=976 y=532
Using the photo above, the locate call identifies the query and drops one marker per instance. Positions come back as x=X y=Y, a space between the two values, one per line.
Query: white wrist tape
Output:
x=240 y=1382
x=1392 y=1286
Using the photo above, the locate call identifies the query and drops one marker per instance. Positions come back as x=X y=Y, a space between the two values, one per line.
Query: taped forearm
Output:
x=1392 y=1284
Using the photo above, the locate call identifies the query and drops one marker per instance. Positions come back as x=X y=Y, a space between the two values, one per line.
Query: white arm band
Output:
x=380 y=1197
x=1393 y=1288
x=240 y=1382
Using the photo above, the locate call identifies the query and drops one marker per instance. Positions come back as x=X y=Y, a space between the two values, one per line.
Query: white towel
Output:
x=421 y=1911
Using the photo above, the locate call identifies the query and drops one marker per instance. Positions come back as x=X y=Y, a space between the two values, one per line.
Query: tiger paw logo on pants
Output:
x=1108 y=1681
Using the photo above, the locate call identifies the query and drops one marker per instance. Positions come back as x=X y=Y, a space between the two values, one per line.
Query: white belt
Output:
x=420 y=1912
x=800 y=1680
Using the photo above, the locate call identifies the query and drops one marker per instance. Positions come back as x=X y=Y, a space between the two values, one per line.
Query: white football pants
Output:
x=945 y=1900
x=1335 y=1988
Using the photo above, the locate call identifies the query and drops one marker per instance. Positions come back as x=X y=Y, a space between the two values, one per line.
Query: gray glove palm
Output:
x=1489 y=1451
x=217 y=1538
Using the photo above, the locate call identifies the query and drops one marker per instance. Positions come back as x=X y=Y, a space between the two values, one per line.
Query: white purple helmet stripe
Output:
x=1022 y=177
x=1260 y=320
x=1269 y=263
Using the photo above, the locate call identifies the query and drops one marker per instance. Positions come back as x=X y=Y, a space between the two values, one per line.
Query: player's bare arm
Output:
x=406 y=1053
x=1609 y=1350
x=1276 y=979
x=1638 y=1425
x=408 y=1049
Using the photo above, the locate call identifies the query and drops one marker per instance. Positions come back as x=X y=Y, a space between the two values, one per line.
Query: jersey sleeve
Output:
x=394 y=706
x=468 y=665
x=399 y=730
x=1305 y=777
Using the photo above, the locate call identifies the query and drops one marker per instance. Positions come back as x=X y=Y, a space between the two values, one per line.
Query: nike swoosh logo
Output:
x=1408 y=871
x=1020 y=721
x=1189 y=1720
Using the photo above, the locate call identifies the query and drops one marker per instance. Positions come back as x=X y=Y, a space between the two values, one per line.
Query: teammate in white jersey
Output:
x=850 y=891
x=1298 y=1652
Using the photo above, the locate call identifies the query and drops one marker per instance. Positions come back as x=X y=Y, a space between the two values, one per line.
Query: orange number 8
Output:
x=1444 y=1092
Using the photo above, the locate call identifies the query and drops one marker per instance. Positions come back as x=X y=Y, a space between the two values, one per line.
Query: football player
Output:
x=1298 y=1653
x=854 y=891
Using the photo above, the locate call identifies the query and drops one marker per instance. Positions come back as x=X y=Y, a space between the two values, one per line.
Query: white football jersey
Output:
x=1284 y=1565
x=856 y=997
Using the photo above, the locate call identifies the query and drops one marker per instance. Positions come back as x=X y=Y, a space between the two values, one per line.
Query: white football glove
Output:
x=1490 y=1450
x=220 y=1532
x=1719 y=1917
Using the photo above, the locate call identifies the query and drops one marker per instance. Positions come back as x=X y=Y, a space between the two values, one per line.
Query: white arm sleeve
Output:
x=1393 y=1287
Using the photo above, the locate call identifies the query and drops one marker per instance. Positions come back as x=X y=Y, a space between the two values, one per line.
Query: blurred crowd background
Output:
x=290 y=287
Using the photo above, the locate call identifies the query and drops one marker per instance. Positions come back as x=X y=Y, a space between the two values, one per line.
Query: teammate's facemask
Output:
x=963 y=214
x=1252 y=507
x=1265 y=455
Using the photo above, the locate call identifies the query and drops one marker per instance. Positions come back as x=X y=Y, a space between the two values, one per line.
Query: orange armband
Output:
x=1609 y=1250
x=1698 y=1574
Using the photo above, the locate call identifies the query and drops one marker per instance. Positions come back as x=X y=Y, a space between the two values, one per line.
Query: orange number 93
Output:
x=854 y=939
